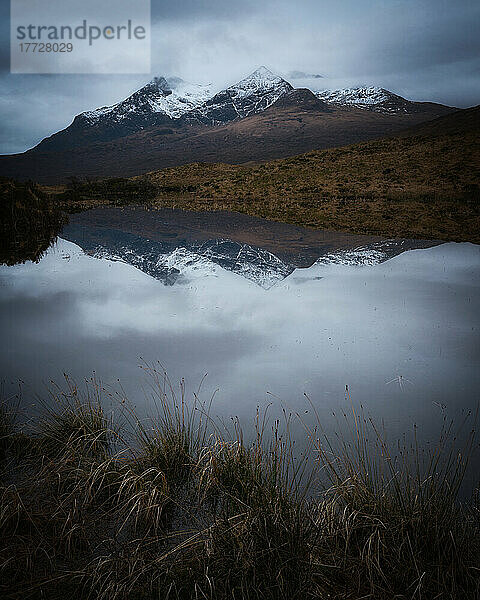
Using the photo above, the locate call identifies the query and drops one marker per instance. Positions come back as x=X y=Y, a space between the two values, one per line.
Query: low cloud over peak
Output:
x=303 y=75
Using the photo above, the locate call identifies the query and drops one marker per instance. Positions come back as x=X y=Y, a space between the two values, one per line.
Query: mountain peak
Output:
x=158 y=83
x=259 y=77
x=376 y=99
x=251 y=95
x=261 y=81
x=263 y=72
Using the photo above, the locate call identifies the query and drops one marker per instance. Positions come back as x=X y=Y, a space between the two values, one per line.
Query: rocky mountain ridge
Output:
x=171 y=103
x=371 y=98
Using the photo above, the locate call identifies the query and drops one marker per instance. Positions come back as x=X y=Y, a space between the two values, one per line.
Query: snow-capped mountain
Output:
x=170 y=102
x=171 y=96
x=251 y=95
x=369 y=98
x=162 y=101
x=170 y=105
x=182 y=263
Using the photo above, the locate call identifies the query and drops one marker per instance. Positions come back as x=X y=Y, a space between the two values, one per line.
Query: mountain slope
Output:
x=304 y=100
x=296 y=123
x=168 y=260
x=174 y=245
x=421 y=184
x=162 y=102
x=158 y=103
x=172 y=104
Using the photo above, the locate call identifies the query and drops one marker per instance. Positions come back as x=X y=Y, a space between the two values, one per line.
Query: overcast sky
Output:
x=420 y=49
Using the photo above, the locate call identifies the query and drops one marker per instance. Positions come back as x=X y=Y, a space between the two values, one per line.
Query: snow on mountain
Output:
x=356 y=256
x=260 y=81
x=170 y=102
x=179 y=261
x=263 y=268
x=171 y=96
x=174 y=98
x=169 y=261
x=187 y=263
x=199 y=260
x=161 y=102
x=251 y=95
x=254 y=264
x=370 y=98
x=147 y=262
x=371 y=254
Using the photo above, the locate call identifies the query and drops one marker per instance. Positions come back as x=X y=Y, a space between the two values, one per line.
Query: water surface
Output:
x=401 y=334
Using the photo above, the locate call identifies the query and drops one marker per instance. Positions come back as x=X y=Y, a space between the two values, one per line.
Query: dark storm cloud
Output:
x=421 y=49
x=409 y=43
x=184 y=10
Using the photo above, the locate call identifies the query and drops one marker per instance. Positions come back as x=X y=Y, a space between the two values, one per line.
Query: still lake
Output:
x=399 y=328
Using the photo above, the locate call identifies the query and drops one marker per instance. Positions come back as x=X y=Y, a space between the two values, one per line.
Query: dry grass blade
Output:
x=186 y=508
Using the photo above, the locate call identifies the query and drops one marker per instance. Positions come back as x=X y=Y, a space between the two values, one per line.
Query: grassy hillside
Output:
x=422 y=184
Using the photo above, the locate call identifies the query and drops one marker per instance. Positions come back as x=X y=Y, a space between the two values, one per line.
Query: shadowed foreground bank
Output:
x=181 y=507
x=29 y=221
